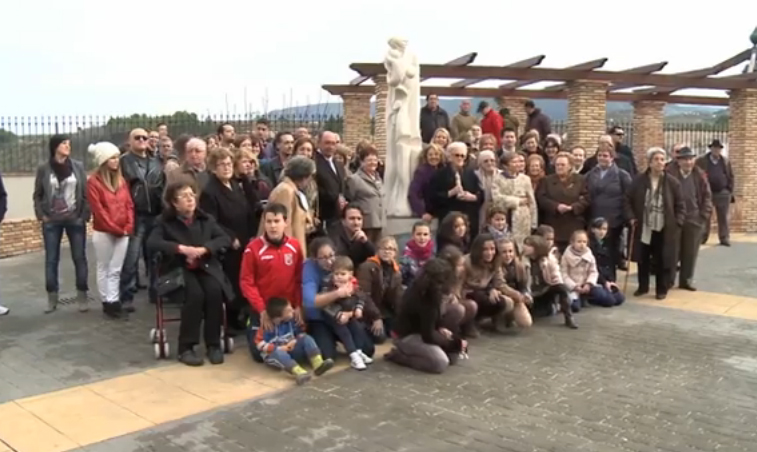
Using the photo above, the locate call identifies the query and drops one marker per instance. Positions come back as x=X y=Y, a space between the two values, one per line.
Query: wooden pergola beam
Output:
x=646 y=69
x=464 y=60
x=448 y=91
x=699 y=73
x=585 y=66
x=561 y=75
x=530 y=62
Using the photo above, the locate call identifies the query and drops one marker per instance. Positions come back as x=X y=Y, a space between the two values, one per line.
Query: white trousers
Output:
x=110 y=252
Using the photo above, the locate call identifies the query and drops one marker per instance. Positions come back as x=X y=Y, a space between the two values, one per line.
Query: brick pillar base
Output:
x=648 y=131
x=379 y=134
x=742 y=151
x=357 y=118
x=587 y=113
x=517 y=109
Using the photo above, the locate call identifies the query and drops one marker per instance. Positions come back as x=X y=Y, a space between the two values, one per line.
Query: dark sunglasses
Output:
x=141 y=138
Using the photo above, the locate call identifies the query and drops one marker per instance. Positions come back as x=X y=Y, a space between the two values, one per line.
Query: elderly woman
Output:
x=305 y=146
x=514 y=191
x=298 y=172
x=430 y=160
x=488 y=176
x=535 y=169
x=364 y=188
x=563 y=199
x=607 y=185
x=227 y=202
x=578 y=157
x=455 y=188
x=190 y=241
x=655 y=207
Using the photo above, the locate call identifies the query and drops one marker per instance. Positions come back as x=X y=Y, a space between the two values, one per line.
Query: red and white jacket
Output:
x=112 y=212
x=271 y=271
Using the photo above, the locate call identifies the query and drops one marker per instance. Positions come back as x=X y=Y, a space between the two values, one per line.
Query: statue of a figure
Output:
x=403 y=133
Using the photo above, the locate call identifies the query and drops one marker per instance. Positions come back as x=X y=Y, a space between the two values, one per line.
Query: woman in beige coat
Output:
x=364 y=188
x=514 y=192
x=298 y=171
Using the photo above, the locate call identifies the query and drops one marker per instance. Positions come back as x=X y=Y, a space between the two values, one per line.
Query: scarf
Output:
x=63 y=170
x=654 y=211
x=418 y=252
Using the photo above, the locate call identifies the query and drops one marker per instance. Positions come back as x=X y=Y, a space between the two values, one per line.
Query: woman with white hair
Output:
x=656 y=211
x=455 y=188
x=112 y=222
x=486 y=173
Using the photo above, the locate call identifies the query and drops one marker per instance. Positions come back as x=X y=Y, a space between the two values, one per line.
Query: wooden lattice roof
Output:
x=650 y=83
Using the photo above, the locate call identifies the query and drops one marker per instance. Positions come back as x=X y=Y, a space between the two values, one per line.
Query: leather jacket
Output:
x=146 y=187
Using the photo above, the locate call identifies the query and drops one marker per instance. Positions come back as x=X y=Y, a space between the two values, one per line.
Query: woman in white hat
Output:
x=112 y=221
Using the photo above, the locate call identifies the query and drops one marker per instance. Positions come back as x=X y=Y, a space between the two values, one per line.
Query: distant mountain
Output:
x=556 y=109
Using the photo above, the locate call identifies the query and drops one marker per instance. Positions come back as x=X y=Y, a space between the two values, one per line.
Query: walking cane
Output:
x=632 y=231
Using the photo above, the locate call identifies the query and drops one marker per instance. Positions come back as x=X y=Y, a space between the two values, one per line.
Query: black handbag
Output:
x=170 y=282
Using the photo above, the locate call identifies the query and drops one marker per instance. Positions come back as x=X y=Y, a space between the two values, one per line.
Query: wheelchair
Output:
x=158 y=334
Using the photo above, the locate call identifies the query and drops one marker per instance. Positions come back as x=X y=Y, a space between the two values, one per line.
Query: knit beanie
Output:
x=102 y=152
x=56 y=141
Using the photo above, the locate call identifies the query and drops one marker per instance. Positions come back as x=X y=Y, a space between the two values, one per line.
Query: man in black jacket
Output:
x=329 y=176
x=720 y=176
x=433 y=117
x=144 y=175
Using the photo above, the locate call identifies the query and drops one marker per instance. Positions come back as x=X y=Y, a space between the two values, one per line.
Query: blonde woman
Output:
x=112 y=222
x=441 y=138
x=430 y=160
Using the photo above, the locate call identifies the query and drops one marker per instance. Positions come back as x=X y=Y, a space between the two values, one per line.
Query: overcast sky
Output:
x=159 y=56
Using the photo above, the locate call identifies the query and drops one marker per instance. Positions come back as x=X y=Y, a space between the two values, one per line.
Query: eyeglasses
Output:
x=141 y=138
x=186 y=196
x=619 y=134
x=225 y=164
x=330 y=257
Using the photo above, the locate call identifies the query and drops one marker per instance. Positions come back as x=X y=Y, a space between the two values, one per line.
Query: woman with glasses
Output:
x=456 y=188
x=60 y=203
x=227 y=202
x=189 y=242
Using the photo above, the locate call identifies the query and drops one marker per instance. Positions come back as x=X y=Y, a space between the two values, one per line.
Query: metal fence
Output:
x=23 y=140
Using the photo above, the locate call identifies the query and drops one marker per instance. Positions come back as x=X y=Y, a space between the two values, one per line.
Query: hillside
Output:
x=557 y=109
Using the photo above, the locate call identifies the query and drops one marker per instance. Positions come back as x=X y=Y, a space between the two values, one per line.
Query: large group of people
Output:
x=288 y=234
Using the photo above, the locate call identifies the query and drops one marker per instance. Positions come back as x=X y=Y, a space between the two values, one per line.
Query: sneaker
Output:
x=4 y=310
x=301 y=379
x=366 y=359
x=325 y=366
x=190 y=358
x=215 y=355
x=356 y=361
x=52 y=302
x=82 y=300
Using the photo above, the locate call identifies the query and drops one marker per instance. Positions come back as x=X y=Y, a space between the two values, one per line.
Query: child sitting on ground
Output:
x=605 y=264
x=380 y=280
x=344 y=314
x=579 y=270
x=418 y=250
x=545 y=281
x=515 y=277
x=286 y=346
x=547 y=232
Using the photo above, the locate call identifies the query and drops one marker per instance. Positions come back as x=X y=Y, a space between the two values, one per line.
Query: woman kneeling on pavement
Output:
x=423 y=343
x=189 y=242
x=315 y=275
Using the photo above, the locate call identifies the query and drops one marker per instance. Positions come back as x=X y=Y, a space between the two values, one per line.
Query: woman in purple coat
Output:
x=431 y=159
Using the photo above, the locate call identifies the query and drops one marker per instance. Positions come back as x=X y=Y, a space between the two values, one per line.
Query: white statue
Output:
x=403 y=130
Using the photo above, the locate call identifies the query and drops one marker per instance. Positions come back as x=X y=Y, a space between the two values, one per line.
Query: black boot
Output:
x=565 y=307
x=114 y=311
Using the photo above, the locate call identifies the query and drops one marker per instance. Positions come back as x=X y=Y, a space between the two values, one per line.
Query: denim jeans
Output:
x=52 y=234
x=326 y=339
x=130 y=270
x=600 y=296
x=303 y=351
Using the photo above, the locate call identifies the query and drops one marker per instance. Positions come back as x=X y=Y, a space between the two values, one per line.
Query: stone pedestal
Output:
x=357 y=118
x=648 y=129
x=742 y=151
x=587 y=114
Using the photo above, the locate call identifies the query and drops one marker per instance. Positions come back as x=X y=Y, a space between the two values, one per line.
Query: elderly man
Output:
x=720 y=175
x=698 y=200
x=330 y=176
x=463 y=121
x=194 y=165
x=144 y=175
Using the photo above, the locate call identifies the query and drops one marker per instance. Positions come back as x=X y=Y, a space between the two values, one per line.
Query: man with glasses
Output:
x=618 y=134
x=144 y=175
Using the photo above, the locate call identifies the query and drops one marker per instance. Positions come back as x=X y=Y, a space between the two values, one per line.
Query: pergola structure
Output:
x=587 y=88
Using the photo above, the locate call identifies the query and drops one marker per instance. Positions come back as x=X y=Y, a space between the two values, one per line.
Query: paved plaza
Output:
x=674 y=376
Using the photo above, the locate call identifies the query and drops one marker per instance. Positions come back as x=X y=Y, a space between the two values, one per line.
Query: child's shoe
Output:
x=320 y=365
x=301 y=376
x=366 y=359
x=356 y=361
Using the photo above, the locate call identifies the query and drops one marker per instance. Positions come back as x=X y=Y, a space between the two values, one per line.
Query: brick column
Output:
x=648 y=131
x=379 y=132
x=517 y=109
x=742 y=151
x=587 y=109
x=357 y=118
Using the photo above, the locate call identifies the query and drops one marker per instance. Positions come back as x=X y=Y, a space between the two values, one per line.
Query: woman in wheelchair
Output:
x=189 y=243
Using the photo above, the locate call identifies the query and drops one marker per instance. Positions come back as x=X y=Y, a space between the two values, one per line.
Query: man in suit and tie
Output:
x=329 y=176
